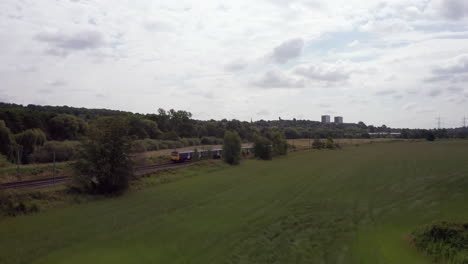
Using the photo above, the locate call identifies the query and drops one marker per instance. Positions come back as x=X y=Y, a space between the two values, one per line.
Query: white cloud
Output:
x=236 y=65
x=393 y=25
x=329 y=73
x=277 y=79
x=354 y=43
x=212 y=53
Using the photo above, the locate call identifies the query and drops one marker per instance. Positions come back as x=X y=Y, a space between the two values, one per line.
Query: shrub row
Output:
x=143 y=145
x=14 y=204
x=64 y=151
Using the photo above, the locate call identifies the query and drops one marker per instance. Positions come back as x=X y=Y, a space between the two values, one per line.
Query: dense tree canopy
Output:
x=105 y=165
x=67 y=126
x=7 y=142
x=232 y=147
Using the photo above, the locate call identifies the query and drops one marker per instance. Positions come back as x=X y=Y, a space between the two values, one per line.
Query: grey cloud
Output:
x=306 y=3
x=409 y=106
x=391 y=78
x=455 y=70
x=458 y=64
x=288 y=50
x=263 y=112
x=438 y=78
x=385 y=92
x=236 y=65
x=157 y=26
x=455 y=89
x=435 y=92
x=277 y=79
x=61 y=43
x=324 y=105
x=328 y=73
x=57 y=83
x=24 y=68
x=45 y=91
x=454 y=9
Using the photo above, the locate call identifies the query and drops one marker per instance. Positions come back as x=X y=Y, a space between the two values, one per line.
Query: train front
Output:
x=175 y=156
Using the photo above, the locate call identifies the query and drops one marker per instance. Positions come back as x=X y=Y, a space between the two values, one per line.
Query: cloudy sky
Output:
x=401 y=63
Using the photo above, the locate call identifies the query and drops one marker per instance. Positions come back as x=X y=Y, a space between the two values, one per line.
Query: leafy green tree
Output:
x=7 y=143
x=262 y=148
x=292 y=133
x=105 y=166
x=29 y=140
x=152 y=129
x=66 y=126
x=232 y=147
x=136 y=128
x=279 y=143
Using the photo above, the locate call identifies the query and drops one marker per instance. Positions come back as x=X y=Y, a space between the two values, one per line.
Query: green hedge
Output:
x=64 y=151
x=143 y=145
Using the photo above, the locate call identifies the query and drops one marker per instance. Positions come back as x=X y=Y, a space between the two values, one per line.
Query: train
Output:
x=188 y=155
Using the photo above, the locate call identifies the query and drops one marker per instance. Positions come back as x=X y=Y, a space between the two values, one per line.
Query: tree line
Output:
x=33 y=132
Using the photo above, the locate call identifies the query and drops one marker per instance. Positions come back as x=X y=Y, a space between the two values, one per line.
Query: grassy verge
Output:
x=33 y=171
x=358 y=205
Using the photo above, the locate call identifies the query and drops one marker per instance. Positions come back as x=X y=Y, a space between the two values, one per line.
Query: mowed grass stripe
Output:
x=357 y=205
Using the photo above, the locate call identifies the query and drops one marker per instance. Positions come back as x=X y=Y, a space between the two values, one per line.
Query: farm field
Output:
x=356 y=205
x=305 y=143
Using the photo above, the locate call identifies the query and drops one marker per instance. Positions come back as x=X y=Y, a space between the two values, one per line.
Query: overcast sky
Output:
x=401 y=63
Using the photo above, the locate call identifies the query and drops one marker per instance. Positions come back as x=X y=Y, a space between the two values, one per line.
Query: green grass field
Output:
x=356 y=205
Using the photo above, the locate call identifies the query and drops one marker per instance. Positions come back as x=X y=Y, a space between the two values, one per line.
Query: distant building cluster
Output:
x=326 y=119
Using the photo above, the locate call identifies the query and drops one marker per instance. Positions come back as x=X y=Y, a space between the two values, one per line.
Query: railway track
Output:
x=59 y=180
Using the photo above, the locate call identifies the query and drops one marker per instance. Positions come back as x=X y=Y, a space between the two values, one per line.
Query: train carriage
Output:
x=181 y=156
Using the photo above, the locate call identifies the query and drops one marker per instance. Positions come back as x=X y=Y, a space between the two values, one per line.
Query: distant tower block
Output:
x=338 y=120
x=325 y=119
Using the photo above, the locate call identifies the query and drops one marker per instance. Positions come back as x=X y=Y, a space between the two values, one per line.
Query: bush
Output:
x=105 y=166
x=12 y=204
x=4 y=161
x=232 y=147
x=262 y=148
x=318 y=144
x=138 y=146
x=64 y=151
x=171 y=135
x=211 y=141
x=330 y=144
x=446 y=242
x=430 y=136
